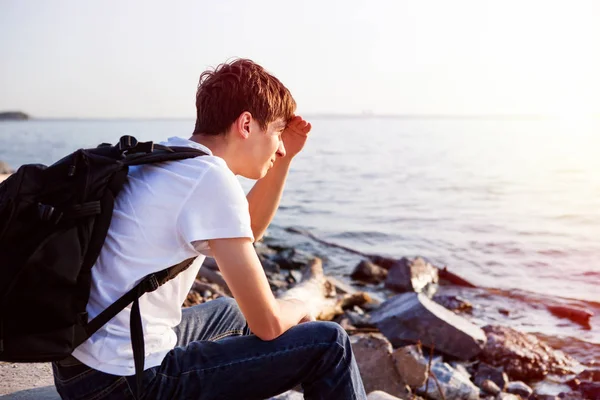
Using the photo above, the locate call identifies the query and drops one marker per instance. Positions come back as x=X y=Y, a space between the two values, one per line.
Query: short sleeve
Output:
x=216 y=209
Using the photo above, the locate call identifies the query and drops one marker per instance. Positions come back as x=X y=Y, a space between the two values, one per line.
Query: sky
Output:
x=142 y=58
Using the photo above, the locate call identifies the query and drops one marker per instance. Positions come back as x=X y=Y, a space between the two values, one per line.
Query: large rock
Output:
x=374 y=358
x=368 y=272
x=452 y=384
x=412 y=317
x=411 y=365
x=411 y=275
x=523 y=356
x=519 y=388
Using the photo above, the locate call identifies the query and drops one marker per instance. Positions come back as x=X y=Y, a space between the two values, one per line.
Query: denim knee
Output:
x=230 y=307
x=331 y=330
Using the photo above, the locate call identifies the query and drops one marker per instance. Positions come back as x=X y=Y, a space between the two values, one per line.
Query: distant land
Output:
x=13 y=116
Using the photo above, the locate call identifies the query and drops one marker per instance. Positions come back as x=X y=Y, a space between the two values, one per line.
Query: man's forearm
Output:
x=264 y=197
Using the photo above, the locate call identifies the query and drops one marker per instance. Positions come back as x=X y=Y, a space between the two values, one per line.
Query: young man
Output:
x=172 y=211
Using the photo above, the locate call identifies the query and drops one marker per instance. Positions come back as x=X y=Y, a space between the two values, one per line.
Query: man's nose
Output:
x=281 y=149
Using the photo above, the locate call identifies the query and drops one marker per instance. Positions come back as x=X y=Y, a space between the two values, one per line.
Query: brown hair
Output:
x=239 y=86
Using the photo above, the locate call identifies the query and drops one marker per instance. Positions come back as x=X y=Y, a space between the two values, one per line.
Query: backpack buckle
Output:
x=48 y=213
x=151 y=283
x=127 y=143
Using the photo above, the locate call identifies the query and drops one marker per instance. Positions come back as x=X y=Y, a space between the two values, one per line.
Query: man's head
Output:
x=237 y=87
x=251 y=107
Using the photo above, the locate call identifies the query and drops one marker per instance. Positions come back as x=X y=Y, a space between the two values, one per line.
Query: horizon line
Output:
x=338 y=115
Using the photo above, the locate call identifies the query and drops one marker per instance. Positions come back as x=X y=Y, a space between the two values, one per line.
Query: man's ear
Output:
x=242 y=124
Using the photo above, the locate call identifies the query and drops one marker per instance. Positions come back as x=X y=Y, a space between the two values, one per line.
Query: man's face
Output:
x=264 y=146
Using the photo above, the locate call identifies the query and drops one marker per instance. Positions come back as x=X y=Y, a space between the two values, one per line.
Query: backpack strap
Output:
x=161 y=154
x=148 y=284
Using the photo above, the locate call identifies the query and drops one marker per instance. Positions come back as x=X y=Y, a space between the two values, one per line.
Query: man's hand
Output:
x=294 y=136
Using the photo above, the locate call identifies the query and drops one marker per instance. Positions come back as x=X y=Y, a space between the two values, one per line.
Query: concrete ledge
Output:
x=27 y=381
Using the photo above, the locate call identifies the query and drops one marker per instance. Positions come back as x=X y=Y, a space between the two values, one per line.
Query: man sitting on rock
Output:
x=173 y=211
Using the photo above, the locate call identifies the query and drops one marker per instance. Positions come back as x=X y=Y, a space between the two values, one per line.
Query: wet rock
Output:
x=519 y=388
x=490 y=387
x=379 y=395
x=572 y=396
x=411 y=275
x=291 y=258
x=411 y=317
x=453 y=385
x=368 y=272
x=411 y=365
x=591 y=390
x=5 y=168
x=496 y=375
x=359 y=320
x=575 y=314
x=384 y=262
x=454 y=303
x=374 y=358
x=523 y=356
x=590 y=374
x=270 y=267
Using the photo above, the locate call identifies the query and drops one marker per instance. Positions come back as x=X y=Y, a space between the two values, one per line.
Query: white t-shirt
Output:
x=164 y=214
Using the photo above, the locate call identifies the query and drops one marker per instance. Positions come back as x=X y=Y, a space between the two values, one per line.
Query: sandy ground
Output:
x=27 y=381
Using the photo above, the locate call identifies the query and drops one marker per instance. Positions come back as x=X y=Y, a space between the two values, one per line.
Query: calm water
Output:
x=510 y=204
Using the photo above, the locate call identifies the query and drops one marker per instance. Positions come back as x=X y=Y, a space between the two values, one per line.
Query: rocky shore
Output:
x=413 y=338
x=418 y=331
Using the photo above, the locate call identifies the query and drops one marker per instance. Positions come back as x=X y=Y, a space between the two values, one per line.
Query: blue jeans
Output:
x=218 y=358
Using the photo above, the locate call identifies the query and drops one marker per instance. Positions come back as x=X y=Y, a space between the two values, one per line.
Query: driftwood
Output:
x=319 y=294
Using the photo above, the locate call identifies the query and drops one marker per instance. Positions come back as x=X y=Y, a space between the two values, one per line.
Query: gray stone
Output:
x=496 y=375
x=366 y=271
x=519 y=388
x=412 y=317
x=490 y=387
x=523 y=356
x=411 y=275
x=411 y=365
x=291 y=258
x=453 y=385
x=453 y=303
x=373 y=355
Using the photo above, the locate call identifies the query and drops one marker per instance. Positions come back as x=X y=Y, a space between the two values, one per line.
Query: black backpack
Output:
x=53 y=223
